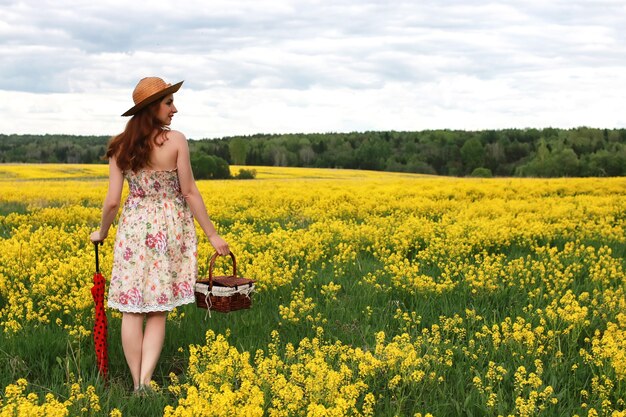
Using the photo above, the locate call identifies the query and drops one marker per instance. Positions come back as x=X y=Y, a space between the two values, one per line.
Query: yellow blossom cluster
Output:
x=529 y=272
x=299 y=307
x=533 y=396
x=311 y=379
x=18 y=402
x=491 y=384
x=330 y=290
x=316 y=378
x=611 y=346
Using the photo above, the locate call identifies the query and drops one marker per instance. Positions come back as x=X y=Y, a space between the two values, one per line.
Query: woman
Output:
x=155 y=252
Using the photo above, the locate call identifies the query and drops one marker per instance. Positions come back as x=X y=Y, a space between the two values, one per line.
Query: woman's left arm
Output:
x=111 y=202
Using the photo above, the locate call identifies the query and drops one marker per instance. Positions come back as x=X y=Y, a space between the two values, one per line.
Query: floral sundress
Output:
x=155 y=256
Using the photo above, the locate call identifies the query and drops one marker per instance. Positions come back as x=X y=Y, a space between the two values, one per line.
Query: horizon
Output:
x=332 y=133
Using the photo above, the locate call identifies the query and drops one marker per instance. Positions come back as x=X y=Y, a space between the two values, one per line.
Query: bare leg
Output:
x=154 y=335
x=132 y=340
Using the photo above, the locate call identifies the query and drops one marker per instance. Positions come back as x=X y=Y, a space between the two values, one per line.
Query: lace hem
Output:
x=151 y=308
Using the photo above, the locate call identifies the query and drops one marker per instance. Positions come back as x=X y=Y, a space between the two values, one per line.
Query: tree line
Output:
x=549 y=152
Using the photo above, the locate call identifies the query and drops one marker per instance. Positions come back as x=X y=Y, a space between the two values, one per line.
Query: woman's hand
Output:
x=220 y=245
x=97 y=236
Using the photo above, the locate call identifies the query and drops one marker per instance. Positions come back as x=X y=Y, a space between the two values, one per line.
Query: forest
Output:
x=548 y=152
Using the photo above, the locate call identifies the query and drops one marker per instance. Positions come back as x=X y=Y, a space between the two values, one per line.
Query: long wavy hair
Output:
x=132 y=147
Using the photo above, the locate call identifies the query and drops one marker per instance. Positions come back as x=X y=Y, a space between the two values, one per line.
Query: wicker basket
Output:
x=224 y=293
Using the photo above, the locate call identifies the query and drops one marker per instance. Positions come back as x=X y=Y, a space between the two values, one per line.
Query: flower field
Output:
x=378 y=294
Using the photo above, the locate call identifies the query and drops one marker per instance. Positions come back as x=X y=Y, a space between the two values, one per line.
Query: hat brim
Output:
x=143 y=103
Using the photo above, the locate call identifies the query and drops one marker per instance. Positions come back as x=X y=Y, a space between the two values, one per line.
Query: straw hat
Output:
x=148 y=90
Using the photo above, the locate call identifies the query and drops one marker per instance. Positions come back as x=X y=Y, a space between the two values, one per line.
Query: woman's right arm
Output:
x=192 y=194
x=111 y=201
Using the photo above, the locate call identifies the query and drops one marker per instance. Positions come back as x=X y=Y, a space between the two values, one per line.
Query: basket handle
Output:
x=213 y=258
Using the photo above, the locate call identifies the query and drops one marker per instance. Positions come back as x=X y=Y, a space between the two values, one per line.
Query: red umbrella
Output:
x=100 y=324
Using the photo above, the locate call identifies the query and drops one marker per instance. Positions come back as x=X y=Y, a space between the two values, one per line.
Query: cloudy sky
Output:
x=270 y=66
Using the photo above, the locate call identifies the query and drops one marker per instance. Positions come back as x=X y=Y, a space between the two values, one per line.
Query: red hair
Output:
x=132 y=147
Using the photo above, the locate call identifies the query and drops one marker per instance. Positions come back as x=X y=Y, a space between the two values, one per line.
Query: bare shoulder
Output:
x=175 y=135
x=177 y=138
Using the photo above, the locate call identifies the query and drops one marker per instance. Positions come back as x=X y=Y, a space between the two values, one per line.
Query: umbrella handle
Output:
x=95 y=245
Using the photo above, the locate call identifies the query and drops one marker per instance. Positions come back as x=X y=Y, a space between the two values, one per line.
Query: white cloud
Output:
x=314 y=66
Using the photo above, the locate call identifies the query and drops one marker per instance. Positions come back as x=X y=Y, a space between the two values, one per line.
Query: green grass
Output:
x=50 y=361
